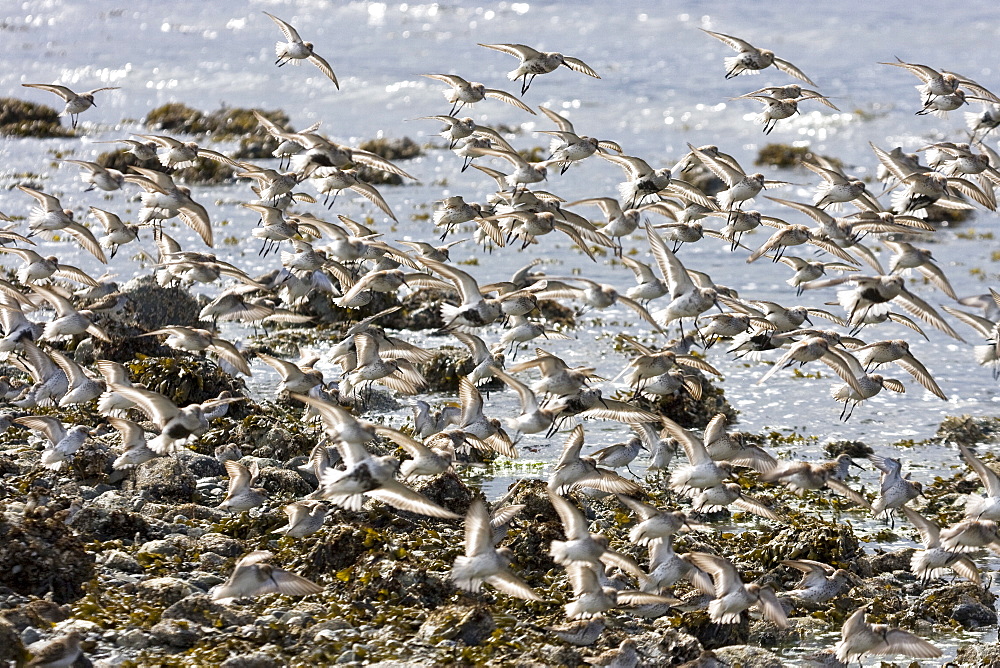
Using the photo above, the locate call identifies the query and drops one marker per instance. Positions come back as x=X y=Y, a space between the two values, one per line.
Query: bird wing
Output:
x=286 y=29
x=788 y=68
x=157 y=407
x=324 y=67
x=400 y=496
x=478 y=531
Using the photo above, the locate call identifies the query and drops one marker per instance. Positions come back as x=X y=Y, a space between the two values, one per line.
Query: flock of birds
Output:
x=351 y=261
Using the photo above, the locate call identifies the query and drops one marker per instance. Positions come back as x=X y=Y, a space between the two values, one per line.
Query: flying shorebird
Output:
x=535 y=62
x=859 y=638
x=750 y=60
x=482 y=562
x=252 y=577
x=76 y=103
x=294 y=49
x=464 y=92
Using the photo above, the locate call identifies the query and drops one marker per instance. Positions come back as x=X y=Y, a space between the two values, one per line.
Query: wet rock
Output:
x=121 y=561
x=42 y=555
x=970 y=605
x=981 y=655
x=281 y=444
x=153 y=307
x=134 y=639
x=222 y=545
x=666 y=645
x=103 y=524
x=162 y=479
x=253 y=660
x=20 y=118
x=890 y=562
x=199 y=465
x=163 y=592
x=448 y=491
x=468 y=624
x=201 y=610
x=281 y=483
x=176 y=634
x=747 y=656
x=712 y=635
x=968 y=430
x=11 y=648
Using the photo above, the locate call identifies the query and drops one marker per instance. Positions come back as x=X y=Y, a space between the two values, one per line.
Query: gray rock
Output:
x=468 y=624
x=163 y=479
x=134 y=639
x=121 y=561
x=747 y=656
x=165 y=591
x=981 y=655
x=175 y=633
x=221 y=545
x=254 y=660
x=282 y=483
x=202 y=610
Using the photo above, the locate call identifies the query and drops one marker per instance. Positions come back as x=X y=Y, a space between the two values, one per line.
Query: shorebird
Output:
x=464 y=92
x=535 y=62
x=137 y=451
x=253 y=577
x=61 y=444
x=593 y=600
x=482 y=562
x=76 y=103
x=820 y=582
x=304 y=518
x=982 y=507
x=60 y=652
x=574 y=471
x=859 y=638
x=240 y=496
x=750 y=59
x=895 y=489
x=293 y=49
x=732 y=596
x=934 y=560
x=568 y=147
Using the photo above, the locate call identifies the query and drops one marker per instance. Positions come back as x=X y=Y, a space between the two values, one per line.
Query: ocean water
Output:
x=661 y=87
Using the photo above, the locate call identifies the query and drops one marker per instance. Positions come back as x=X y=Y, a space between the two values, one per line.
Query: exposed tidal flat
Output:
x=129 y=558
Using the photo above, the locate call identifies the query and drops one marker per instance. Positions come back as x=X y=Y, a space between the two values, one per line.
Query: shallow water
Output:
x=662 y=87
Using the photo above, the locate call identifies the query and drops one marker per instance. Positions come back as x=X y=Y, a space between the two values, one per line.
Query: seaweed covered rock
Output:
x=448 y=491
x=162 y=479
x=186 y=380
x=968 y=430
x=42 y=555
x=20 y=118
x=96 y=523
x=11 y=647
x=152 y=306
x=470 y=625
x=392 y=150
x=176 y=117
x=748 y=656
x=782 y=155
x=966 y=603
x=688 y=410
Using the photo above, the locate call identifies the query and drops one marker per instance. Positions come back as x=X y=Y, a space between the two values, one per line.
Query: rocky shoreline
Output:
x=128 y=558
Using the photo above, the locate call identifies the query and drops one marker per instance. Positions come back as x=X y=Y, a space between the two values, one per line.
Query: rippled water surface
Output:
x=662 y=87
